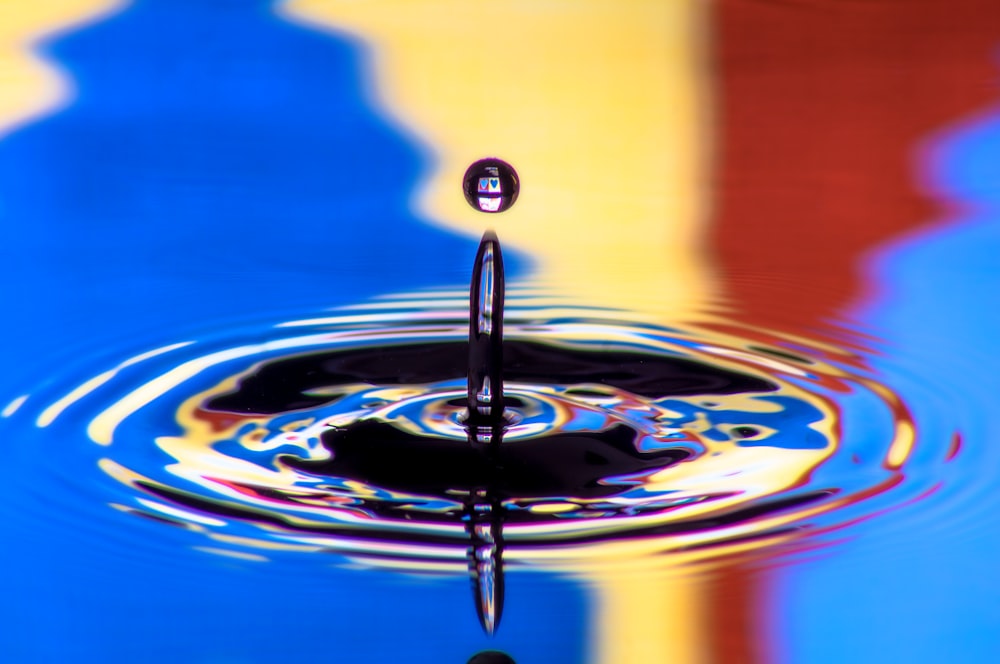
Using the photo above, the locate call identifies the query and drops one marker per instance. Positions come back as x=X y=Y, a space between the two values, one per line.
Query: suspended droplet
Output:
x=491 y=185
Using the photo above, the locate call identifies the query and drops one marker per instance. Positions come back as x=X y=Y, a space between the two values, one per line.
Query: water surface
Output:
x=231 y=190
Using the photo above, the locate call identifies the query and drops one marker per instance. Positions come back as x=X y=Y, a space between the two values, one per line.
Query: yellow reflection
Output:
x=647 y=616
x=13 y=406
x=49 y=415
x=598 y=105
x=29 y=85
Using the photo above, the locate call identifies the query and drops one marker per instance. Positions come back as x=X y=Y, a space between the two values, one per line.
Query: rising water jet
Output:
x=485 y=422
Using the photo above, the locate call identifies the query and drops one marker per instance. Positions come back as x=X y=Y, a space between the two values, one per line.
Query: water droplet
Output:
x=491 y=185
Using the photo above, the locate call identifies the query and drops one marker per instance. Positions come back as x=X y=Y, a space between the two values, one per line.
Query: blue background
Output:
x=216 y=165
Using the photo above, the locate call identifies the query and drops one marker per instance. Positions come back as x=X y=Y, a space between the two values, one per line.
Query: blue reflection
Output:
x=920 y=584
x=215 y=164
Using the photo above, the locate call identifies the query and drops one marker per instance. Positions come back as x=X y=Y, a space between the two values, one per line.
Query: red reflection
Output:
x=220 y=421
x=731 y=594
x=955 y=447
x=822 y=108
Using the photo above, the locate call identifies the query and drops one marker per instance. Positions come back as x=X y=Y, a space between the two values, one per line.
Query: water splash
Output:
x=349 y=434
x=237 y=441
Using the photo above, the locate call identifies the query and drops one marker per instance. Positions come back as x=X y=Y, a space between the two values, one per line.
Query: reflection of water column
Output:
x=485 y=527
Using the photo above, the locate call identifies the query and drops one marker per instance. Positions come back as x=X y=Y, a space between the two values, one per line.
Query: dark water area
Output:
x=239 y=406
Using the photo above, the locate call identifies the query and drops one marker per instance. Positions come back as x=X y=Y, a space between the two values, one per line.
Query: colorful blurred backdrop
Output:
x=821 y=172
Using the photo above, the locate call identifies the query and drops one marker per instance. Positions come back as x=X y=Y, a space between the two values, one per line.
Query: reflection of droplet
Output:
x=491 y=657
x=491 y=185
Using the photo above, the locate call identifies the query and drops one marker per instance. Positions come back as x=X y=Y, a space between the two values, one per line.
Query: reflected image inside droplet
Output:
x=491 y=185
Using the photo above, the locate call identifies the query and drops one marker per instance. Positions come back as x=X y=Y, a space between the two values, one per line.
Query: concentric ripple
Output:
x=346 y=434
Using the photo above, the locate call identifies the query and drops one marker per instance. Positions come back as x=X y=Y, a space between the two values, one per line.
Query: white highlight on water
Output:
x=50 y=414
x=13 y=406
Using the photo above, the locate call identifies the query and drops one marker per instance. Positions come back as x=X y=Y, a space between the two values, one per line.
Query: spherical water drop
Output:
x=491 y=185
